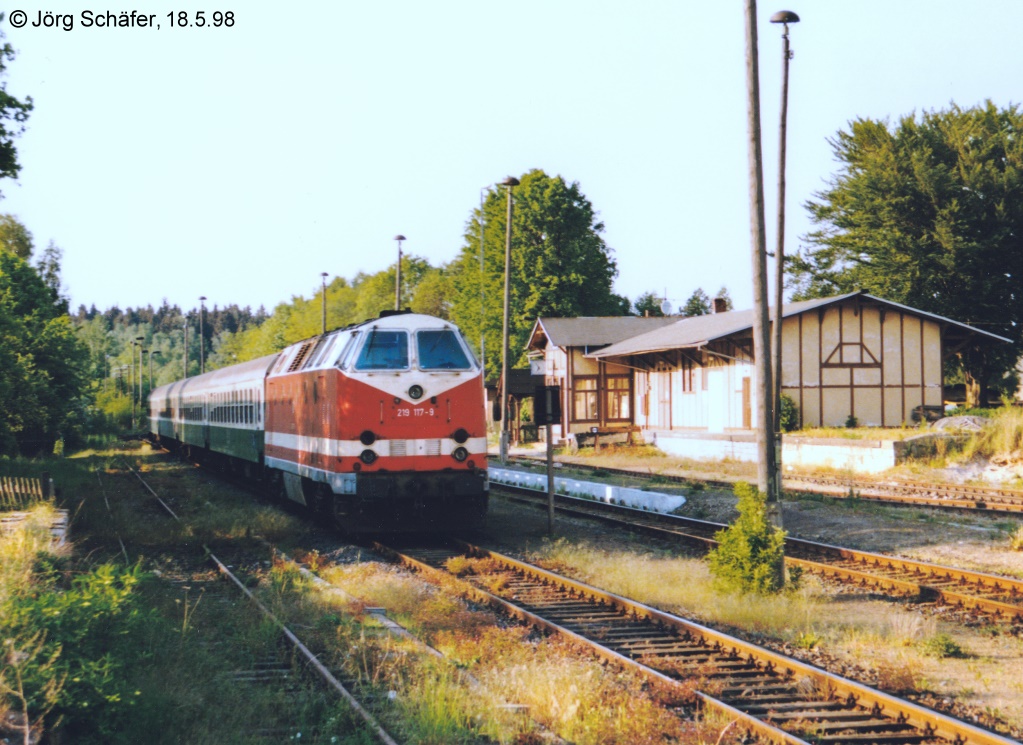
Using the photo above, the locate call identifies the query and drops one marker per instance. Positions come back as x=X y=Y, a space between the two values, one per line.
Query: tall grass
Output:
x=687 y=587
x=570 y=693
x=1001 y=436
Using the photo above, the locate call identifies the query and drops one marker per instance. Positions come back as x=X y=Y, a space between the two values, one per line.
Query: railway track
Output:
x=999 y=597
x=775 y=698
x=920 y=494
x=272 y=670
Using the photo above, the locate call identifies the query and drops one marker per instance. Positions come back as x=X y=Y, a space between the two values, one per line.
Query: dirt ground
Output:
x=979 y=542
x=983 y=687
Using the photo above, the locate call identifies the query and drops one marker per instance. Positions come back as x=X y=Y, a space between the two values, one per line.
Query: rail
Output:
x=775 y=697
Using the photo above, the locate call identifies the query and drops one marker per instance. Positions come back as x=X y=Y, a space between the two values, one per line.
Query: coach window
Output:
x=383 y=350
x=440 y=349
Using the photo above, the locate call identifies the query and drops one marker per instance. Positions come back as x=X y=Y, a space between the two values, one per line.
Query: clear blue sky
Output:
x=239 y=163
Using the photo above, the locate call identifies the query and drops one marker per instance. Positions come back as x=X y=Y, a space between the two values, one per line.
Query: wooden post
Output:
x=767 y=472
x=550 y=479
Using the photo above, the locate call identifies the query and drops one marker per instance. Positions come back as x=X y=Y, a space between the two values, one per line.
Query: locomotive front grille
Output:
x=399 y=448
x=432 y=447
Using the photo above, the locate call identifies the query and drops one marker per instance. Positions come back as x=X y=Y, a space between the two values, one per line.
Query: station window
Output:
x=618 y=397
x=584 y=399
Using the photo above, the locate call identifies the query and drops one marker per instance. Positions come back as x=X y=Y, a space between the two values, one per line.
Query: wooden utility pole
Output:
x=767 y=471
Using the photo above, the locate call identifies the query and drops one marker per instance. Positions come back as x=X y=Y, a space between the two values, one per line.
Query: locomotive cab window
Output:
x=346 y=352
x=440 y=349
x=384 y=350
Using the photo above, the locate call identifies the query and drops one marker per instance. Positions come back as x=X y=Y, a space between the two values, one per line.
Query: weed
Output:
x=751 y=552
x=808 y=640
x=1016 y=539
x=942 y=646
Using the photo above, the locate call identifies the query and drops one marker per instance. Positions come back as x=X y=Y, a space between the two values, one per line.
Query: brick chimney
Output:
x=720 y=305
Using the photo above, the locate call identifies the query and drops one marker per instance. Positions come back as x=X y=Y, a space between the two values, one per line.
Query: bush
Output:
x=788 y=419
x=750 y=556
x=69 y=648
x=942 y=646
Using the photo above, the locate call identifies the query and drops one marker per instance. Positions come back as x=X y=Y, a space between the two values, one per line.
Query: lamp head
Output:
x=510 y=181
x=785 y=16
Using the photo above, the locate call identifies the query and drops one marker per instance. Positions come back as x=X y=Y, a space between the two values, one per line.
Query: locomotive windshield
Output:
x=384 y=350
x=439 y=349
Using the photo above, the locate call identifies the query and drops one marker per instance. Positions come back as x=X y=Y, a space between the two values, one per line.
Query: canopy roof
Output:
x=698 y=331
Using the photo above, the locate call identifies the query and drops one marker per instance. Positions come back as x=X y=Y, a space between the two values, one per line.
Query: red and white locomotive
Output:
x=380 y=425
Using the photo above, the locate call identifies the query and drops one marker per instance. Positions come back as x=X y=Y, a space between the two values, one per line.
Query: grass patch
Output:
x=1002 y=437
x=686 y=586
x=571 y=694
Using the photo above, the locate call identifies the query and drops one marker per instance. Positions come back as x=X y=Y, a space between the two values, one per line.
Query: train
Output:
x=375 y=427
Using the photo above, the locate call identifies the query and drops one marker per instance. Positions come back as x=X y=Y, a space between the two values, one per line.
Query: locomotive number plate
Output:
x=415 y=413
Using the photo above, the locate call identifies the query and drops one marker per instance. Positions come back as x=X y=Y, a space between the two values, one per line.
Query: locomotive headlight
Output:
x=367 y=438
x=367 y=457
x=415 y=392
x=460 y=436
x=460 y=454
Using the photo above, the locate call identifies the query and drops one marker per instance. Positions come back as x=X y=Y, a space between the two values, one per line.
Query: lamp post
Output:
x=483 y=291
x=202 y=335
x=151 y=353
x=784 y=17
x=510 y=182
x=323 y=276
x=186 y=345
x=131 y=389
x=139 y=339
x=397 y=276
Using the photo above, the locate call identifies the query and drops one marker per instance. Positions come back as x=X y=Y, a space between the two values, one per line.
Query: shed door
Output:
x=664 y=399
x=747 y=413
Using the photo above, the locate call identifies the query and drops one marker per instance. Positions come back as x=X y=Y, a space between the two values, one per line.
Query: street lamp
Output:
x=202 y=345
x=483 y=291
x=131 y=389
x=397 y=276
x=139 y=339
x=323 y=276
x=186 y=344
x=510 y=182
x=151 y=353
x=784 y=17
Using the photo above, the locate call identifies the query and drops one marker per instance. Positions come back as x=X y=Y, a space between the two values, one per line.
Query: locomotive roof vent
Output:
x=389 y=313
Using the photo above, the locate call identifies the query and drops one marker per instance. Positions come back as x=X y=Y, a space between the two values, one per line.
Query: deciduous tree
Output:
x=648 y=304
x=13 y=115
x=928 y=212
x=560 y=265
x=698 y=304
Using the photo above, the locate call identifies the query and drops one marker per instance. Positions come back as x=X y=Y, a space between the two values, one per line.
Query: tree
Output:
x=433 y=294
x=43 y=364
x=723 y=295
x=15 y=237
x=560 y=265
x=928 y=213
x=13 y=115
x=698 y=304
x=648 y=304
